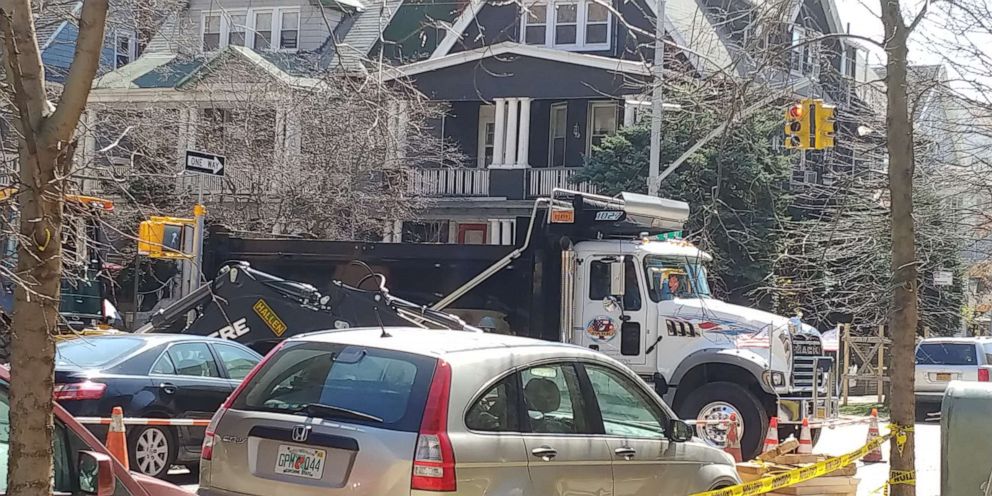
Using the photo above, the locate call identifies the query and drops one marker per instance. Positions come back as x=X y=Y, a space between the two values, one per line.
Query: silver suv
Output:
x=408 y=411
x=942 y=360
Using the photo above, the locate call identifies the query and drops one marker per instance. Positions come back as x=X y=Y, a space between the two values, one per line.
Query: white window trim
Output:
x=132 y=46
x=551 y=134
x=550 y=21
x=809 y=54
x=591 y=116
x=250 y=26
x=487 y=114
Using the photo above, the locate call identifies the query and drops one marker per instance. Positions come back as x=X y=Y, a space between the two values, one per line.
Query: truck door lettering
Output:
x=232 y=332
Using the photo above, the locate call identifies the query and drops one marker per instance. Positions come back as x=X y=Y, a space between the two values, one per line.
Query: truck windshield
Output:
x=670 y=278
x=81 y=297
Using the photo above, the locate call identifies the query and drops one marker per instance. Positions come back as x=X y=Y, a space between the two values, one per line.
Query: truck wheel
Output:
x=716 y=401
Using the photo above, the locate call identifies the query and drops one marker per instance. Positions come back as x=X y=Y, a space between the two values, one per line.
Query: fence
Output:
x=869 y=352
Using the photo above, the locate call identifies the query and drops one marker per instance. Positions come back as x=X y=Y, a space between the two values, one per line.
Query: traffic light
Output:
x=164 y=237
x=824 y=129
x=797 y=126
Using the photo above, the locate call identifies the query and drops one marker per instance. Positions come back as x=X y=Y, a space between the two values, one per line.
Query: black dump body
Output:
x=421 y=273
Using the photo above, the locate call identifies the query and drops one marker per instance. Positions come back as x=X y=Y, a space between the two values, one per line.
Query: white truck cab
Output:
x=648 y=304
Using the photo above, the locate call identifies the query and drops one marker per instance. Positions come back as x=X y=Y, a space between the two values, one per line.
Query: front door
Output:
x=645 y=462
x=617 y=330
x=189 y=384
x=473 y=234
x=565 y=455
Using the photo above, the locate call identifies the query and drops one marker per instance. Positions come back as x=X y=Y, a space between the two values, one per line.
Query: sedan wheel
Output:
x=152 y=452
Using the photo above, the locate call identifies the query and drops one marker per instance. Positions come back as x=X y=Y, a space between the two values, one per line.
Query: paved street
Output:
x=850 y=437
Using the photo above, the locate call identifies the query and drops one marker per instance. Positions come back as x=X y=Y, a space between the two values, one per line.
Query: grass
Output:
x=864 y=409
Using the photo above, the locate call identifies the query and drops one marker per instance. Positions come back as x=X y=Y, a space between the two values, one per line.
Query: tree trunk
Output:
x=45 y=150
x=904 y=318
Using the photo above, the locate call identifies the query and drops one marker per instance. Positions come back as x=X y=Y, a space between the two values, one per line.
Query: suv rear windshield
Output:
x=389 y=385
x=946 y=354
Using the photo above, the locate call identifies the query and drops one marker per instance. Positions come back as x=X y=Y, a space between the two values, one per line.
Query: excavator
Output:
x=258 y=309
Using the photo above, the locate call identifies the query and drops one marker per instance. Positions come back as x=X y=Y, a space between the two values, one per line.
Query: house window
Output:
x=597 y=23
x=289 y=30
x=211 y=32
x=805 y=53
x=487 y=135
x=567 y=24
x=124 y=49
x=473 y=234
x=536 y=24
x=263 y=31
x=558 y=132
x=236 y=32
x=602 y=123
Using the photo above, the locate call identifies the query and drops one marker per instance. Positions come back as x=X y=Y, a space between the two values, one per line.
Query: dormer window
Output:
x=580 y=25
x=275 y=29
x=805 y=59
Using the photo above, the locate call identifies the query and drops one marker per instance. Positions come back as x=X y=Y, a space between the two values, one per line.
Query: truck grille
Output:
x=803 y=370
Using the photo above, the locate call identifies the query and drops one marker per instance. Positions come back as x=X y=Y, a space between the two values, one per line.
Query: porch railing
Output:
x=449 y=181
x=541 y=182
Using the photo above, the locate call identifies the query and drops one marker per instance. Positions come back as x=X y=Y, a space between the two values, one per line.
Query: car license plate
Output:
x=300 y=462
x=943 y=376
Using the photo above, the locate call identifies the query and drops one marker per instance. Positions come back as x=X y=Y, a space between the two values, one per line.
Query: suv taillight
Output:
x=434 y=460
x=209 y=438
x=79 y=391
x=983 y=375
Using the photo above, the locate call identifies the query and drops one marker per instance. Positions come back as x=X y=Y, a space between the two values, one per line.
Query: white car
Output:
x=942 y=360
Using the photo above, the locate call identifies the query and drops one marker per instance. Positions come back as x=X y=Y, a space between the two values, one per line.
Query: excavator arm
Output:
x=259 y=310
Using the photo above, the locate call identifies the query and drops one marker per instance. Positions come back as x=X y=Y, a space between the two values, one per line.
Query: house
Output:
x=56 y=28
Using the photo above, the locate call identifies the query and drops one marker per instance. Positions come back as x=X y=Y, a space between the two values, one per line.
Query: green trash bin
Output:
x=966 y=439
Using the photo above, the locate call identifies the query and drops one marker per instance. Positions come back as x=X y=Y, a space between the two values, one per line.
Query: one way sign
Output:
x=204 y=163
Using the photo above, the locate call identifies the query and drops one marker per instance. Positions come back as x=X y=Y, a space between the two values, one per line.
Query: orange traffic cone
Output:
x=875 y=455
x=733 y=446
x=771 y=440
x=805 y=440
x=116 y=439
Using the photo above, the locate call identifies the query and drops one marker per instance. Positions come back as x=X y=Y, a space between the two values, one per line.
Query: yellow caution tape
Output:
x=803 y=474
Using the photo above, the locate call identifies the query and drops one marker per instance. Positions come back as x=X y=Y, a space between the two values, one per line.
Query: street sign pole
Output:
x=201 y=164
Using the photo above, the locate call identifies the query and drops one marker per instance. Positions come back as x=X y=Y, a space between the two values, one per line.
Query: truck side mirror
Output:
x=616 y=278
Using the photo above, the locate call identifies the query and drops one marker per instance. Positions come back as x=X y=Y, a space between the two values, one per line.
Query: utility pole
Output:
x=657 y=99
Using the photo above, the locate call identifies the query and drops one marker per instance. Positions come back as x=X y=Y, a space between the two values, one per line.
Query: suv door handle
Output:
x=167 y=387
x=545 y=453
x=626 y=452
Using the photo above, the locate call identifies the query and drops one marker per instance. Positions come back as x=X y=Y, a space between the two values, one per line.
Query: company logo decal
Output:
x=270 y=318
x=601 y=328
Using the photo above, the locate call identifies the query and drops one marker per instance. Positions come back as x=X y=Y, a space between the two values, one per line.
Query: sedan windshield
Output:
x=671 y=277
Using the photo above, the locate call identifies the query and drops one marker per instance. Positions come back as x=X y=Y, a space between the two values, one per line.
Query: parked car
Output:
x=942 y=360
x=153 y=376
x=407 y=411
x=82 y=464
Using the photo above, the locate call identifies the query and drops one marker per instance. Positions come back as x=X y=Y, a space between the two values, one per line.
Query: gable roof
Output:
x=511 y=48
x=357 y=35
x=685 y=22
x=172 y=71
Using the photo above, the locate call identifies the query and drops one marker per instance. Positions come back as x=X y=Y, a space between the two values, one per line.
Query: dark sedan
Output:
x=151 y=376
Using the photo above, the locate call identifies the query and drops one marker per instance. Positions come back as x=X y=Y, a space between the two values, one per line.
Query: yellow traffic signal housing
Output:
x=797 y=126
x=164 y=237
x=824 y=125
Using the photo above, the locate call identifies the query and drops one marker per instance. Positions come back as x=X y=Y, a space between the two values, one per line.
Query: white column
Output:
x=512 y=118
x=500 y=133
x=403 y=120
x=89 y=149
x=506 y=232
x=493 y=231
x=523 y=145
x=629 y=109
